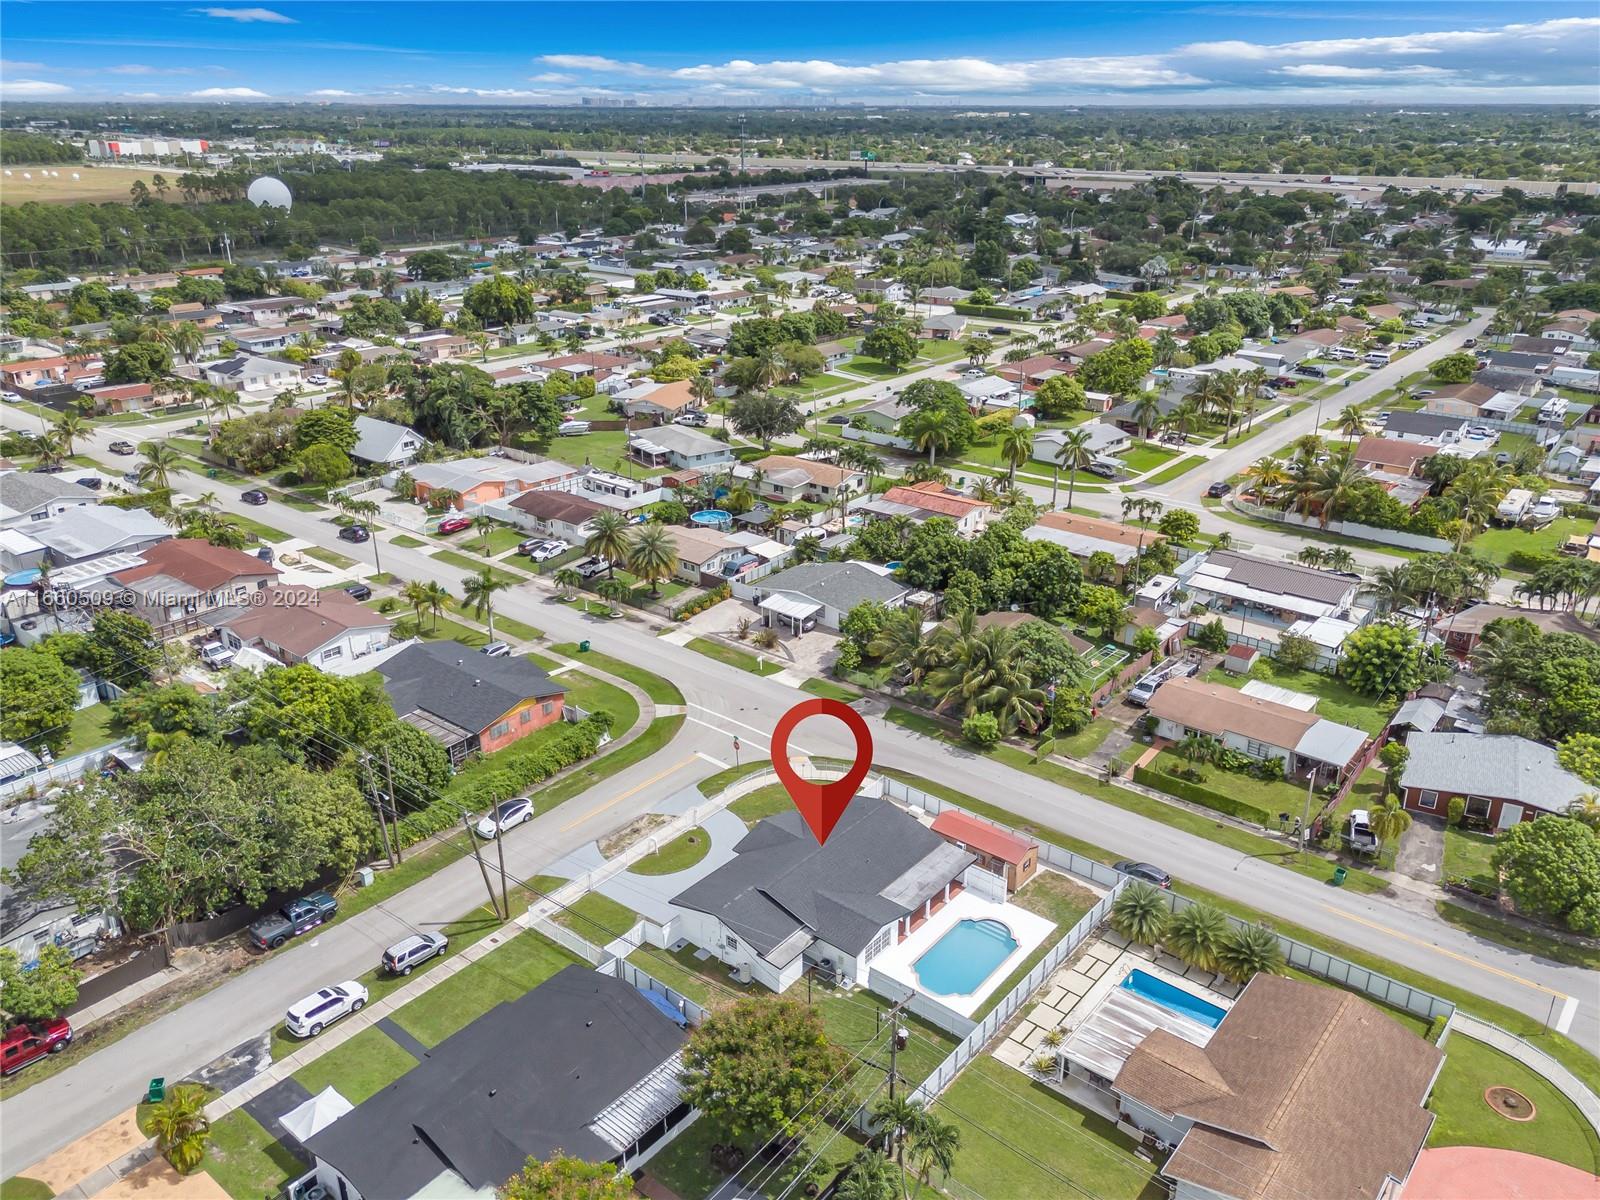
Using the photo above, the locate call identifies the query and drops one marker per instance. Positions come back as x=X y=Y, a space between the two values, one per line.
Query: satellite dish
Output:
x=268 y=192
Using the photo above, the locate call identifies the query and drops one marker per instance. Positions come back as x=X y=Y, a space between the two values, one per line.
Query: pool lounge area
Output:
x=965 y=950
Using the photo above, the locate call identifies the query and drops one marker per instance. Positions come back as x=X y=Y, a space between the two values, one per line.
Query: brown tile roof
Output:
x=670 y=396
x=300 y=619
x=1471 y=393
x=980 y=835
x=822 y=474
x=1303 y=1091
x=1097 y=527
x=932 y=497
x=1322 y=337
x=1215 y=708
x=196 y=563
x=1392 y=452
x=556 y=506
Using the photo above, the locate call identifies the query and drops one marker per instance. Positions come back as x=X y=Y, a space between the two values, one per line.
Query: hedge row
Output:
x=700 y=603
x=574 y=744
x=1196 y=794
x=995 y=312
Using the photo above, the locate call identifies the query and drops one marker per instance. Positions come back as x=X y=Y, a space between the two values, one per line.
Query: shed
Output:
x=1240 y=659
x=999 y=850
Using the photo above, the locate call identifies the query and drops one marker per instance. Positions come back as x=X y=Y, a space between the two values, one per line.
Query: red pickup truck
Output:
x=24 y=1043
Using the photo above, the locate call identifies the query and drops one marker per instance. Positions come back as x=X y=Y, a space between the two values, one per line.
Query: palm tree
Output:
x=615 y=591
x=187 y=339
x=930 y=430
x=609 y=539
x=568 y=581
x=1144 y=510
x=1392 y=587
x=1268 y=475
x=1389 y=822
x=416 y=596
x=1351 y=421
x=1476 y=493
x=181 y=1127
x=1248 y=951
x=1140 y=913
x=438 y=598
x=70 y=426
x=159 y=460
x=1196 y=934
x=872 y=1177
x=896 y=1117
x=478 y=592
x=1075 y=453
x=933 y=1146
x=1146 y=411
x=900 y=642
x=485 y=526
x=1332 y=484
x=1016 y=446
x=653 y=556
x=704 y=389
x=1339 y=559
x=985 y=675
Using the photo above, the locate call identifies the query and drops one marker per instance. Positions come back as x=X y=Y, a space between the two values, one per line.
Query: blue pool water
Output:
x=1159 y=991
x=959 y=962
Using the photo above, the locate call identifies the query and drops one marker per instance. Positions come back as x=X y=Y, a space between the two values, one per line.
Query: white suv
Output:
x=308 y=1017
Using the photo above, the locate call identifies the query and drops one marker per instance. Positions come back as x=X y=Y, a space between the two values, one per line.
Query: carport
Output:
x=796 y=612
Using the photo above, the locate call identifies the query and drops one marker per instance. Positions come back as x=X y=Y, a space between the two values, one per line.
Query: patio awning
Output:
x=788 y=606
x=316 y=1114
x=1330 y=743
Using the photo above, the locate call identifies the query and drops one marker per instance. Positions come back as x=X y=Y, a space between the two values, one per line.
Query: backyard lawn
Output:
x=1466 y=857
x=1336 y=700
x=360 y=1067
x=1557 y=1130
x=681 y=853
x=1067 y=1149
x=246 y=1161
x=1499 y=544
x=520 y=965
x=91 y=727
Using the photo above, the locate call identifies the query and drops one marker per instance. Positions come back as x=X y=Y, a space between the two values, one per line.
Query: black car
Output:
x=1146 y=872
x=48 y=469
x=295 y=917
x=1219 y=489
x=838 y=419
x=358 y=591
x=254 y=496
x=93 y=482
x=354 y=533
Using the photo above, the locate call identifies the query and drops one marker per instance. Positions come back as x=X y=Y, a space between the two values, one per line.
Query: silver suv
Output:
x=409 y=953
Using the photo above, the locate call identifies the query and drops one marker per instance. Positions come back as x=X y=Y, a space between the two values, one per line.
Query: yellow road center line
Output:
x=615 y=800
x=1405 y=937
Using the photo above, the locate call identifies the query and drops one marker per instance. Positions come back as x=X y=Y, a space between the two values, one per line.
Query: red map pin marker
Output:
x=821 y=804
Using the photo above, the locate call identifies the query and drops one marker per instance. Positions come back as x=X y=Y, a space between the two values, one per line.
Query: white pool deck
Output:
x=1029 y=930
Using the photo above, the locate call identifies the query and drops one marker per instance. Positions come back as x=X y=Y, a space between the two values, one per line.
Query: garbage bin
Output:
x=156 y=1091
x=365 y=876
x=1338 y=876
x=583 y=646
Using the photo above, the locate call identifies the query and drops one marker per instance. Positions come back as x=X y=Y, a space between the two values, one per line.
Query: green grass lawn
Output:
x=681 y=853
x=874 y=369
x=813 y=386
x=20 y=1187
x=508 y=971
x=595 y=917
x=829 y=690
x=1145 y=456
x=1270 y=796
x=360 y=1067
x=1087 y=740
x=1557 y=1131
x=713 y=785
x=744 y=660
x=504 y=627
x=90 y=727
x=435 y=629
x=701 y=982
x=591 y=694
x=998 y=1110
x=332 y=557
x=1516 y=937
x=656 y=735
x=1500 y=544
x=854 y=1019
x=1466 y=857
x=501 y=539
x=660 y=690
x=604 y=448
x=761 y=803
x=265 y=532
x=685 y=1165
x=246 y=1161
x=1056 y=898
x=406 y=542
x=474 y=566
x=1336 y=700
x=1182 y=466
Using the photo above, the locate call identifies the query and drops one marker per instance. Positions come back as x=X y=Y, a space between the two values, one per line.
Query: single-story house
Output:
x=81 y=535
x=28 y=497
x=1030 y=373
x=297 y=624
x=1278 y=592
x=931 y=499
x=679 y=447
x=182 y=577
x=1104 y=439
x=245 y=374
x=386 y=443
x=784 y=903
x=584 y=1064
x=946 y=328
x=1460 y=399
x=1255 y=726
x=702 y=551
x=564 y=515
x=479 y=481
x=834 y=354
x=786 y=478
x=990 y=391
x=1084 y=537
x=660 y=400
x=1269 y=1108
x=998 y=851
x=470 y=702
x=1433 y=429
x=1393 y=456
x=126 y=398
x=1503 y=779
x=1463 y=631
x=823 y=592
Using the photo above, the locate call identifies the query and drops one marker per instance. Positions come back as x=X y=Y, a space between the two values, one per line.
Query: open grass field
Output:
x=93 y=185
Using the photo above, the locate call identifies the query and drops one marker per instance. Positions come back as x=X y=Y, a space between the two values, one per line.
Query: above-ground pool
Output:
x=959 y=962
x=1186 y=1004
x=893 y=566
x=712 y=516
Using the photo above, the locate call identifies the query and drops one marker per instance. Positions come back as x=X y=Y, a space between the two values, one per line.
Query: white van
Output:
x=1342 y=353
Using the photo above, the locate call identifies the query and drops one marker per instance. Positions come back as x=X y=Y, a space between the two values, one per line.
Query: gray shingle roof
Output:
x=24 y=491
x=1496 y=766
x=377 y=441
x=526 y=1079
x=1283 y=578
x=838 y=585
x=461 y=686
x=842 y=892
x=1425 y=423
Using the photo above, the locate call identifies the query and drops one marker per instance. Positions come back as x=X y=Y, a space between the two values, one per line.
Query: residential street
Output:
x=724 y=702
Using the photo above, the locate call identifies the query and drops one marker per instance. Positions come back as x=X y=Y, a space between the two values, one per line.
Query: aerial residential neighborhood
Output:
x=473 y=477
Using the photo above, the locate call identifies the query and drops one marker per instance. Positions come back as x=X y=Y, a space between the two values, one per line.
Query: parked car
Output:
x=309 y=1017
x=589 y=567
x=131 y=478
x=1470 y=343
x=1146 y=872
x=691 y=418
x=507 y=815
x=358 y=591
x=216 y=656
x=11 y=397
x=547 y=550
x=295 y=917
x=658 y=318
x=122 y=448
x=1312 y=372
x=1102 y=468
x=93 y=482
x=495 y=649
x=410 y=953
x=254 y=496
x=454 y=524
x=27 y=1043
x=318 y=380
x=355 y=533
x=1219 y=489
x=838 y=419
x=1358 y=833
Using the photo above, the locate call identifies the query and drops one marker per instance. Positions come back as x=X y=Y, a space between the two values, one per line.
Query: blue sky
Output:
x=1218 y=51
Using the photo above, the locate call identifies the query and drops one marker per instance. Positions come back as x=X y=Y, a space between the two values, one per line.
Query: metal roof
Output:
x=630 y=1116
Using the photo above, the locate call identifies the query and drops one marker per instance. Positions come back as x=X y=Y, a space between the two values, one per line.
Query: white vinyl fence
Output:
x=67 y=770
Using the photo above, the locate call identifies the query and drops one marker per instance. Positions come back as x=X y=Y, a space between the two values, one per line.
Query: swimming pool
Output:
x=959 y=962
x=1187 y=1004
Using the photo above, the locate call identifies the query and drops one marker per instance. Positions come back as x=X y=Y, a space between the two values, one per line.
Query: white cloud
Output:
x=17 y=88
x=1338 y=71
x=247 y=15
x=593 y=62
x=1507 y=36
x=488 y=93
x=551 y=77
x=233 y=93
x=332 y=92
x=143 y=69
x=8 y=64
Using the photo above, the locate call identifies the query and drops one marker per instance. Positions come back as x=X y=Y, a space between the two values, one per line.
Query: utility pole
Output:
x=1305 y=822
x=741 y=145
x=377 y=800
x=394 y=808
x=482 y=870
x=896 y=1044
x=500 y=849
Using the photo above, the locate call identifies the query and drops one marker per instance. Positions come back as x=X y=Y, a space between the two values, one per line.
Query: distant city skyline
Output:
x=876 y=52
